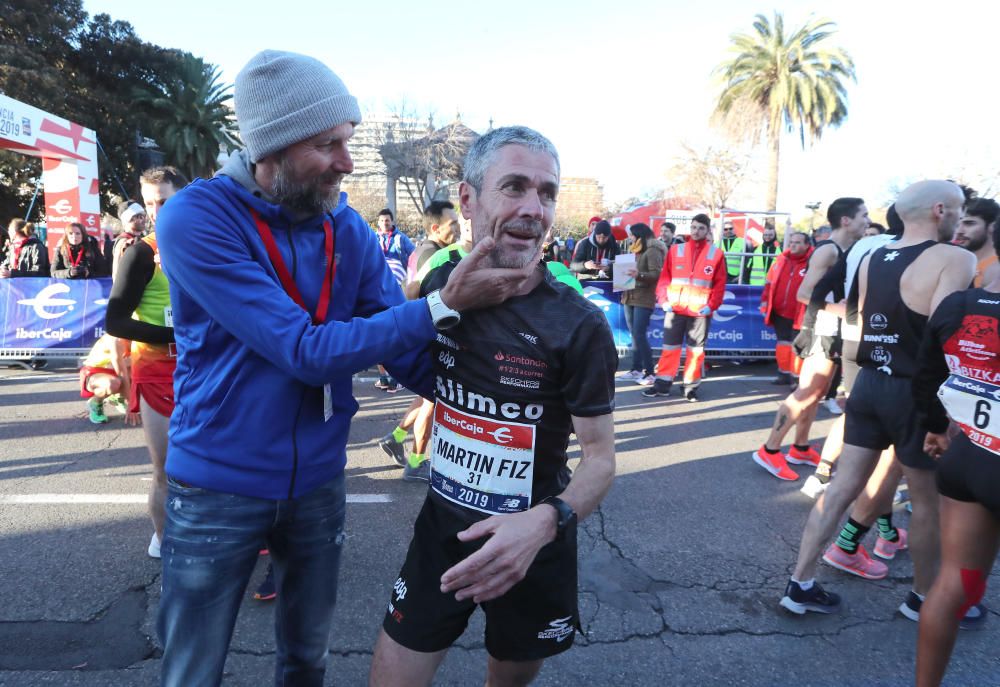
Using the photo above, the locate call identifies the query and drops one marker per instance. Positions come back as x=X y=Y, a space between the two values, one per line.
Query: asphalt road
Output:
x=681 y=568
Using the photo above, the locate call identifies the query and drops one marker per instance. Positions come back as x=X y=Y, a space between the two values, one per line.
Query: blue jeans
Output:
x=210 y=545
x=637 y=319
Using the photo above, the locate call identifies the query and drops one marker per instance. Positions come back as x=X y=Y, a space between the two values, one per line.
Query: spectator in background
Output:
x=639 y=302
x=874 y=229
x=550 y=247
x=732 y=245
x=667 y=232
x=76 y=257
x=25 y=256
x=594 y=254
x=133 y=219
x=764 y=256
x=780 y=306
x=822 y=233
x=396 y=248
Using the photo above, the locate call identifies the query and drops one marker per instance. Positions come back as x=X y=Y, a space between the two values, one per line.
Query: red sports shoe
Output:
x=887 y=549
x=775 y=464
x=858 y=563
x=797 y=457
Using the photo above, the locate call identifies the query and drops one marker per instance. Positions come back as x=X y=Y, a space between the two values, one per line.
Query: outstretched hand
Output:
x=503 y=561
x=472 y=285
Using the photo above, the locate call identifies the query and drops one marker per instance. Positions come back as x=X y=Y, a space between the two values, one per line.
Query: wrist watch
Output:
x=566 y=516
x=442 y=316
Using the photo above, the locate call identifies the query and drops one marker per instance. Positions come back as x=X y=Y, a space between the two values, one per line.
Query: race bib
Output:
x=168 y=316
x=975 y=406
x=481 y=463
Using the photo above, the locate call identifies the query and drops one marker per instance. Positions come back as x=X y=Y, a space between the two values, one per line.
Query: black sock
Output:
x=851 y=535
x=772 y=451
x=802 y=447
x=885 y=528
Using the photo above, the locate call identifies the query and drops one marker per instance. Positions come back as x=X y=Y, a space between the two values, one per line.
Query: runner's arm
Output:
x=135 y=270
x=932 y=369
x=819 y=264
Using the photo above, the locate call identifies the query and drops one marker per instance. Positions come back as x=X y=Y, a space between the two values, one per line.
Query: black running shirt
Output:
x=508 y=379
x=891 y=332
x=959 y=369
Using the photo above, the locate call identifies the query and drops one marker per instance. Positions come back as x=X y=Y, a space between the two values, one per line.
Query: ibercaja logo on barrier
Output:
x=51 y=313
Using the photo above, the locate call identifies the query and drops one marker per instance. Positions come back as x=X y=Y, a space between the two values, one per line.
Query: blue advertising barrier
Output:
x=56 y=317
x=737 y=327
x=51 y=317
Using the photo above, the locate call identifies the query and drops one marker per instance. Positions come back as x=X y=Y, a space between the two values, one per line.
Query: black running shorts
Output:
x=881 y=413
x=967 y=472
x=849 y=361
x=535 y=619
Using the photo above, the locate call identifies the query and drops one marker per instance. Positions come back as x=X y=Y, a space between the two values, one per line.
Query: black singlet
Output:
x=890 y=332
x=508 y=380
x=960 y=368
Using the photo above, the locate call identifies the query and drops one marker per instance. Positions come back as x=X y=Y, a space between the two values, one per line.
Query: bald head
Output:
x=917 y=200
x=933 y=203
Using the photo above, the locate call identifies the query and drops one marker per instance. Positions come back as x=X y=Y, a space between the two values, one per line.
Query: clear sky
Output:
x=618 y=86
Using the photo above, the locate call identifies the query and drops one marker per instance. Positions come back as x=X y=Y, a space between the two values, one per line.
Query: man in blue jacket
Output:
x=280 y=293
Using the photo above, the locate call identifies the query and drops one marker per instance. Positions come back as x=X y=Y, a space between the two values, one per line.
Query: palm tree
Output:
x=776 y=83
x=193 y=120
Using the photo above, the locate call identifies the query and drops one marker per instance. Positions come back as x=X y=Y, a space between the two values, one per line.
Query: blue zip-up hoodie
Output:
x=251 y=365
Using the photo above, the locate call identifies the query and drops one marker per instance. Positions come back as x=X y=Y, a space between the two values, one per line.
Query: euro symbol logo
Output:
x=728 y=311
x=62 y=206
x=502 y=435
x=996 y=394
x=46 y=299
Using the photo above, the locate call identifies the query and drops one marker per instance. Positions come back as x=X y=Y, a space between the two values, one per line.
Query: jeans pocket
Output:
x=182 y=488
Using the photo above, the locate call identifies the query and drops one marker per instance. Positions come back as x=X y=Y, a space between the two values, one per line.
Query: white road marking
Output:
x=77 y=499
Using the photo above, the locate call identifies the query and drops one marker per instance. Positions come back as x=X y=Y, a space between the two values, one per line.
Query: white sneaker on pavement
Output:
x=646 y=381
x=154 y=547
x=630 y=375
x=833 y=407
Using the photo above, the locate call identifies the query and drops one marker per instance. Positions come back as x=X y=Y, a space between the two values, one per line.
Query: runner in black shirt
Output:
x=907 y=283
x=959 y=372
x=498 y=526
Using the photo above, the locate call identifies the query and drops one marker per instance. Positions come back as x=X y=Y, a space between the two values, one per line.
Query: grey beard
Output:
x=304 y=198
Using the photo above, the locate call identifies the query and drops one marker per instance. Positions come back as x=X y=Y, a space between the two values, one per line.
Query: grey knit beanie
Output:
x=282 y=98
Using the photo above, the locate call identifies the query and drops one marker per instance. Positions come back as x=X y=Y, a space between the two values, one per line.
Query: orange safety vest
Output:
x=691 y=282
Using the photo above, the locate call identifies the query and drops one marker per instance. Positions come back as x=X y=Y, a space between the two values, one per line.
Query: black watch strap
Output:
x=566 y=515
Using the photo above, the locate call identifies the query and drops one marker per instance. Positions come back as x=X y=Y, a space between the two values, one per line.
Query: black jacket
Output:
x=33 y=260
x=588 y=250
x=92 y=260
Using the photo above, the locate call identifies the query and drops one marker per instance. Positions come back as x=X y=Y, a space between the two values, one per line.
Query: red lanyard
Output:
x=16 y=253
x=386 y=241
x=79 y=256
x=285 y=277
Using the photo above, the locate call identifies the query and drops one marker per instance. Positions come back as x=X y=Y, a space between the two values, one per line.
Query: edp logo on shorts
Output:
x=446 y=359
x=878 y=321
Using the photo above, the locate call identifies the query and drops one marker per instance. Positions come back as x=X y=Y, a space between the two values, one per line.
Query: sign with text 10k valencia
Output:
x=52 y=313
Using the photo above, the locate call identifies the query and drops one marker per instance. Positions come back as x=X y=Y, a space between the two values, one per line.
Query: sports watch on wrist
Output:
x=442 y=316
x=566 y=516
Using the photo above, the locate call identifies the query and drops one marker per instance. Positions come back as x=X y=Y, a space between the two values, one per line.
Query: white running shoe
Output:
x=833 y=407
x=631 y=375
x=813 y=487
x=154 y=546
x=646 y=381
